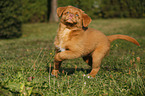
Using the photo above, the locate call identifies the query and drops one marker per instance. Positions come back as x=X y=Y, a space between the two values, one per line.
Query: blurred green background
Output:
x=15 y=12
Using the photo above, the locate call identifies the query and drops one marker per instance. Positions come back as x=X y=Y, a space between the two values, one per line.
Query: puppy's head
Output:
x=73 y=16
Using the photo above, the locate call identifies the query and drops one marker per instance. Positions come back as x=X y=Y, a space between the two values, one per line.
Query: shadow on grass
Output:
x=107 y=68
x=70 y=71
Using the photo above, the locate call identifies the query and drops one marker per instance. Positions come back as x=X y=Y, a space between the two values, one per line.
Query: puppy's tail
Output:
x=124 y=37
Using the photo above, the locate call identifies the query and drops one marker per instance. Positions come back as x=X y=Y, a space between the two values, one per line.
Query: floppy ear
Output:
x=86 y=20
x=60 y=10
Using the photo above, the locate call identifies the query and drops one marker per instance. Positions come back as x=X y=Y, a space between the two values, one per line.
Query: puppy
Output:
x=74 y=39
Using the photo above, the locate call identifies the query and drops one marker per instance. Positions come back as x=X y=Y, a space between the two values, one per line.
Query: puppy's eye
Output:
x=77 y=15
x=67 y=12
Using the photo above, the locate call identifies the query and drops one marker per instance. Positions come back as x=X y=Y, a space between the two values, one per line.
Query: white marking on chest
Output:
x=63 y=37
x=62 y=49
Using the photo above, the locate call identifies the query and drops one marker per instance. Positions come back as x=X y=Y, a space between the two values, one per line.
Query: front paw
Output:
x=57 y=57
x=55 y=73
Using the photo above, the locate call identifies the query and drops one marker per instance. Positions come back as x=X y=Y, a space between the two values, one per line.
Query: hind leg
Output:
x=97 y=57
x=95 y=64
x=88 y=59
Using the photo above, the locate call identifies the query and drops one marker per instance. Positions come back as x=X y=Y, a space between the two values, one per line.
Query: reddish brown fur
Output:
x=75 y=40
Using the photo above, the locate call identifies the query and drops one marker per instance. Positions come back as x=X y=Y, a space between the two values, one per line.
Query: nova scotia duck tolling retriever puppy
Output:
x=74 y=39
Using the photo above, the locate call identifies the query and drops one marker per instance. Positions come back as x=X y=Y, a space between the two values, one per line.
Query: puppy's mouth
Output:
x=70 y=20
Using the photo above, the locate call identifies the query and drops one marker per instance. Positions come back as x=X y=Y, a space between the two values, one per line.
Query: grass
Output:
x=26 y=63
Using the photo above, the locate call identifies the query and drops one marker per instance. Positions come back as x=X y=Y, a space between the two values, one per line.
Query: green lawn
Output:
x=26 y=63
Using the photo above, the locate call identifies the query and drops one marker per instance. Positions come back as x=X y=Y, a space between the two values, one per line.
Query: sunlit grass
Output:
x=26 y=63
